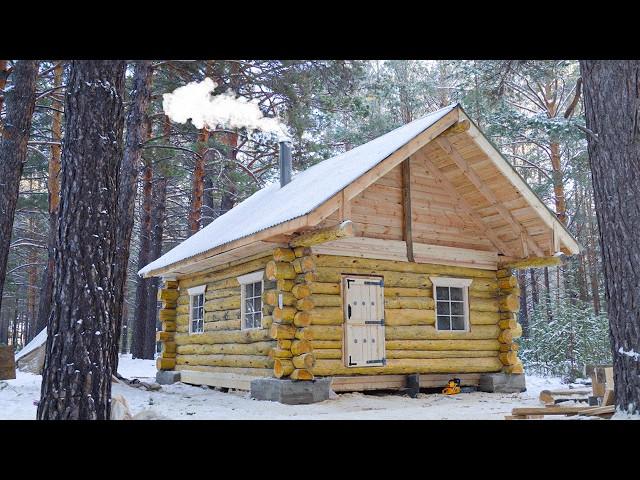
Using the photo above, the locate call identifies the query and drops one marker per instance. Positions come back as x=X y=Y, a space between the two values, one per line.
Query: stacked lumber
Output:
x=168 y=295
x=530 y=413
x=553 y=397
x=293 y=356
x=223 y=346
x=510 y=329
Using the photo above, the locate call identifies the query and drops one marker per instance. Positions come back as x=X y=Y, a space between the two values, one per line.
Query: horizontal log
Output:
x=483 y=318
x=381 y=266
x=301 y=290
x=267 y=309
x=257 y=372
x=267 y=321
x=518 y=368
x=169 y=347
x=170 y=284
x=182 y=309
x=508 y=358
x=320 y=316
x=505 y=336
x=282 y=367
x=284 y=285
x=165 y=363
x=427 y=332
x=391 y=279
x=168 y=295
x=328 y=353
x=517 y=332
x=280 y=331
x=283 y=254
x=413 y=365
x=165 y=315
x=306 y=360
x=533 y=262
x=169 y=326
x=394 y=317
x=304 y=264
x=272 y=297
x=245 y=361
x=280 y=353
x=440 y=353
x=183 y=299
x=224 y=336
x=409 y=303
x=221 y=304
x=299 y=347
x=320 y=332
x=484 y=304
x=318 y=301
x=507 y=283
x=284 y=344
x=277 y=270
x=302 y=251
x=165 y=336
x=508 y=347
x=220 y=316
x=509 y=303
x=322 y=235
x=222 y=325
x=325 y=344
x=257 y=348
x=407 y=292
x=225 y=276
x=511 y=323
x=484 y=285
x=284 y=315
x=301 y=374
x=440 y=345
x=212 y=294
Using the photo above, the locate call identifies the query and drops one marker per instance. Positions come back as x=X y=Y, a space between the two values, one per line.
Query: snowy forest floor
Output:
x=181 y=401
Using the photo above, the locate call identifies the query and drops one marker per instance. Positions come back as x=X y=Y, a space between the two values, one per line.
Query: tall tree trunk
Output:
x=136 y=133
x=140 y=315
x=76 y=381
x=53 y=186
x=593 y=262
x=197 y=191
x=558 y=186
x=524 y=310
x=535 y=296
x=5 y=70
x=547 y=294
x=612 y=113
x=13 y=151
x=32 y=287
x=229 y=191
x=157 y=227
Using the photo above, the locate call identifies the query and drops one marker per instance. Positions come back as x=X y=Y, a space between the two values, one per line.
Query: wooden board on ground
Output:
x=7 y=363
x=527 y=413
x=215 y=379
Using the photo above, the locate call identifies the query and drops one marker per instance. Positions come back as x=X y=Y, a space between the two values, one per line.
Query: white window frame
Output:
x=245 y=280
x=194 y=292
x=463 y=283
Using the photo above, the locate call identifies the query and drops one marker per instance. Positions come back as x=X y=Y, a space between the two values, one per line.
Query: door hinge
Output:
x=379 y=283
x=350 y=363
x=383 y=361
x=374 y=322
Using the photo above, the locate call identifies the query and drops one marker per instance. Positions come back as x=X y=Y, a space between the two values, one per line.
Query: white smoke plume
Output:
x=194 y=101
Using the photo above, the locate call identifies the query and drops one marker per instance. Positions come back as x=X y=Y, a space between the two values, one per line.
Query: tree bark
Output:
x=535 y=297
x=140 y=315
x=76 y=382
x=612 y=113
x=197 y=191
x=524 y=311
x=13 y=151
x=5 y=71
x=136 y=134
x=53 y=186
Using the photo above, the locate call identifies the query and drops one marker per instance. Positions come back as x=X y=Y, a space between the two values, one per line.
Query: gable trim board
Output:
x=301 y=204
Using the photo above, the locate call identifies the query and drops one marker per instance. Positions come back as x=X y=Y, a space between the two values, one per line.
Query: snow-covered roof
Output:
x=35 y=342
x=307 y=190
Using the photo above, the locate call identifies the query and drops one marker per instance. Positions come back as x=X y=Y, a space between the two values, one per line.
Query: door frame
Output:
x=343 y=293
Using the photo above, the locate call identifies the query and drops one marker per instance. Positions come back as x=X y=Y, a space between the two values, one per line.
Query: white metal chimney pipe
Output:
x=284 y=160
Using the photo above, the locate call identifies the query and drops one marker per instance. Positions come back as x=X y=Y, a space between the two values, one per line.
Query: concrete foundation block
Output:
x=502 y=383
x=291 y=392
x=167 y=377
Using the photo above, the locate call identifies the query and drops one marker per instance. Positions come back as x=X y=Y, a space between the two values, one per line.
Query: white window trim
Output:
x=243 y=280
x=463 y=283
x=193 y=292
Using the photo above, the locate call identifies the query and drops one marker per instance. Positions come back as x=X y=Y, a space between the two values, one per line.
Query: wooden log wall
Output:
x=412 y=343
x=168 y=295
x=224 y=346
x=510 y=329
x=293 y=356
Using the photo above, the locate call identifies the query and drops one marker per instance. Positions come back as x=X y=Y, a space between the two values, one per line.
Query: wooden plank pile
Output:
x=601 y=389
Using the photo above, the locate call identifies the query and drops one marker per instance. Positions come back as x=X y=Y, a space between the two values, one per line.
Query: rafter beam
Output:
x=486 y=192
x=407 y=223
x=450 y=190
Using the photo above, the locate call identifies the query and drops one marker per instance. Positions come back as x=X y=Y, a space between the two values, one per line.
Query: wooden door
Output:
x=364 y=321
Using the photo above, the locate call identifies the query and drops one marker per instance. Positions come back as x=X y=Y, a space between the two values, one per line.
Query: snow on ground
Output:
x=181 y=401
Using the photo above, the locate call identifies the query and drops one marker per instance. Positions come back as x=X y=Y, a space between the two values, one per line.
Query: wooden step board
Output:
x=361 y=383
x=218 y=379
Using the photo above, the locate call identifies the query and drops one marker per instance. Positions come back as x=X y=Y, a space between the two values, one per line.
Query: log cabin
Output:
x=389 y=264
